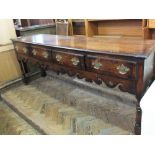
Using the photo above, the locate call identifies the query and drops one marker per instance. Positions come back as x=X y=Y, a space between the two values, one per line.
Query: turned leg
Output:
x=42 y=71
x=0 y=96
x=138 y=120
x=25 y=70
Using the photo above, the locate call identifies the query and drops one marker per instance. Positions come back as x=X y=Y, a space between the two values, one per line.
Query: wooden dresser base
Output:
x=124 y=63
x=61 y=71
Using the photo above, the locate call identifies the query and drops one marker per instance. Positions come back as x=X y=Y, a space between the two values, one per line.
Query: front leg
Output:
x=42 y=71
x=138 y=120
x=24 y=69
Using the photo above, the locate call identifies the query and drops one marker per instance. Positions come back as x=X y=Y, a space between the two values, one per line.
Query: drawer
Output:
x=111 y=66
x=115 y=83
x=68 y=59
x=124 y=85
x=40 y=53
x=21 y=48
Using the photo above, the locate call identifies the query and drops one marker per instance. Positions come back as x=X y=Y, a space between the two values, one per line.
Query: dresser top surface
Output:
x=115 y=46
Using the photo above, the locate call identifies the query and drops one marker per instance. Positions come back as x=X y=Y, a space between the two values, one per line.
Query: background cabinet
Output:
x=151 y=23
x=119 y=28
x=110 y=27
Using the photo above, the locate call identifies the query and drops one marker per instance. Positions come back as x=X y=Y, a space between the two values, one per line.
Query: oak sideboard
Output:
x=122 y=62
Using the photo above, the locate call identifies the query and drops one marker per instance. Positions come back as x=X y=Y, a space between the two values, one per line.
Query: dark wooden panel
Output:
x=41 y=53
x=68 y=59
x=111 y=66
x=22 y=48
x=111 y=82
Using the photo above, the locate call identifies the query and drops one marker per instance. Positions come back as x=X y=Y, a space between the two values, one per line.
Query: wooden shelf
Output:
x=110 y=27
x=120 y=27
x=116 y=36
x=93 y=20
x=77 y=27
x=78 y=20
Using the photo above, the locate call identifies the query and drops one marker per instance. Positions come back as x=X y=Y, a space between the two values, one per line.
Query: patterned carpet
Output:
x=12 y=124
x=54 y=106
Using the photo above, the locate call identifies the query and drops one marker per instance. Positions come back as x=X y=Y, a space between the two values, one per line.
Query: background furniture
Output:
x=135 y=28
x=38 y=29
x=62 y=28
x=77 y=26
x=126 y=28
x=151 y=28
x=34 y=26
x=32 y=22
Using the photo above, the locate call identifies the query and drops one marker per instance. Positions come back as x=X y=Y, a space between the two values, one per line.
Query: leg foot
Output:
x=43 y=72
x=138 y=120
x=25 y=80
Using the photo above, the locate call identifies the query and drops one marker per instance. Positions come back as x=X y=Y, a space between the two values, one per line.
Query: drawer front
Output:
x=40 y=53
x=68 y=59
x=113 y=67
x=119 y=83
x=21 y=48
x=115 y=83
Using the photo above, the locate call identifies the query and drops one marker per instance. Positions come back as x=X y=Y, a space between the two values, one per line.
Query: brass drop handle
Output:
x=25 y=50
x=75 y=61
x=45 y=55
x=123 y=69
x=34 y=52
x=96 y=65
x=58 y=57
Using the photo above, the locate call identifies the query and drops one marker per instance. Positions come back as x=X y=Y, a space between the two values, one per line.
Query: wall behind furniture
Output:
x=9 y=67
x=7 y=31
